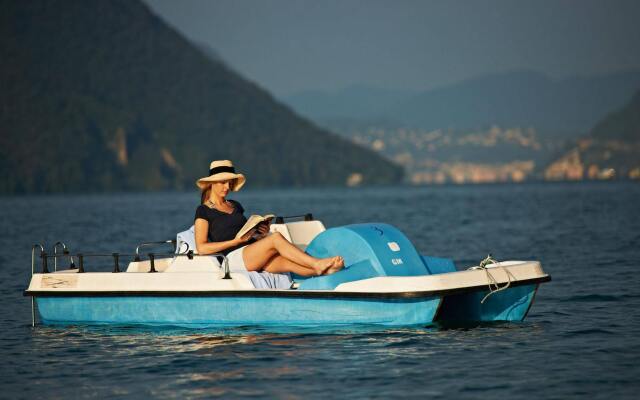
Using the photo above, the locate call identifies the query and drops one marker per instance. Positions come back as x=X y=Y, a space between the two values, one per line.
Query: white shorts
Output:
x=236 y=262
x=259 y=279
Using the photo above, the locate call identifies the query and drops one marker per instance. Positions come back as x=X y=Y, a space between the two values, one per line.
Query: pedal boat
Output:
x=385 y=282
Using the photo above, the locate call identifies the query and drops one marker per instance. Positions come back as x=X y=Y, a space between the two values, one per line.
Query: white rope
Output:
x=494 y=287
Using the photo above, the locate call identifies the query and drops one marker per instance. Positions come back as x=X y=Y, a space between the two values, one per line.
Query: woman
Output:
x=218 y=220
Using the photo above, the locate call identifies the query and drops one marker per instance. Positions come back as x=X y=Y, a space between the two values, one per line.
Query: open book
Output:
x=253 y=222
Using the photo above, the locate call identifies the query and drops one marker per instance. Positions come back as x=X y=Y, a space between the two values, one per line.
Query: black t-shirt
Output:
x=223 y=226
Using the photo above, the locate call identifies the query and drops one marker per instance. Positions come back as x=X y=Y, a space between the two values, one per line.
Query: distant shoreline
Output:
x=194 y=192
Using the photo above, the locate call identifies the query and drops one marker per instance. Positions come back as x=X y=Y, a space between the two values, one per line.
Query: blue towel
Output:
x=267 y=280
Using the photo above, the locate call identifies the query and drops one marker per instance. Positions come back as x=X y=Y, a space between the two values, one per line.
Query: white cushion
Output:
x=186 y=241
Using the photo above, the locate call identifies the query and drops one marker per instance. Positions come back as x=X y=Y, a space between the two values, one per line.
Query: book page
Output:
x=252 y=222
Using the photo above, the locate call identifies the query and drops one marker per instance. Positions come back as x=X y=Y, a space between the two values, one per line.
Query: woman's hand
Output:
x=262 y=230
x=247 y=236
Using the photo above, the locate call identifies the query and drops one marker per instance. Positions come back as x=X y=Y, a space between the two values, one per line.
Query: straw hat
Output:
x=221 y=170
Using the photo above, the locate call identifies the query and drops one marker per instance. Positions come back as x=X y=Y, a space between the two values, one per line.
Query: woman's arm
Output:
x=205 y=247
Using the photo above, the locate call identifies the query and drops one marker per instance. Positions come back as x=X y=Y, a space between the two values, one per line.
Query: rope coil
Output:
x=494 y=287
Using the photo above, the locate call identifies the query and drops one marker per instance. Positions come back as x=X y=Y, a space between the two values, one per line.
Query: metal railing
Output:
x=149 y=244
x=136 y=257
x=65 y=251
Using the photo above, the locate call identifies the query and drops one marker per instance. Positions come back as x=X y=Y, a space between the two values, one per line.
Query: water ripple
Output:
x=581 y=338
x=593 y=298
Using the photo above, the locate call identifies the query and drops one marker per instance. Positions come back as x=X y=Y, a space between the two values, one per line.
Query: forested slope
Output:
x=103 y=95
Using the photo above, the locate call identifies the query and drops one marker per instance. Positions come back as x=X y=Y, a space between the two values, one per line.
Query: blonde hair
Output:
x=206 y=193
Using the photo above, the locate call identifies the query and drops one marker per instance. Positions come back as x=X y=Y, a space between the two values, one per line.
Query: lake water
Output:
x=581 y=338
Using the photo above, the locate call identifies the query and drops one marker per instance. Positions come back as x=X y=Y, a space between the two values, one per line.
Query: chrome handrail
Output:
x=65 y=251
x=147 y=244
x=33 y=266
x=33 y=256
x=55 y=253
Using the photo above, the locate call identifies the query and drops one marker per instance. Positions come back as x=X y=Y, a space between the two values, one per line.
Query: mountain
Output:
x=357 y=101
x=623 y=124
x=211 y=53
x=106 y=96
x=612 y=148
x=521 y=98
x=558 y=108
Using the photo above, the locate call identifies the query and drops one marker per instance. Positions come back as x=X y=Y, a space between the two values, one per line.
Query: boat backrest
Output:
x=186 y=241
x=300 y=233
x=303 y=232
x=282 y=229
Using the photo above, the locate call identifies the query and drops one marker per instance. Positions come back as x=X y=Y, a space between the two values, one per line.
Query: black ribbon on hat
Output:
x=218 y=170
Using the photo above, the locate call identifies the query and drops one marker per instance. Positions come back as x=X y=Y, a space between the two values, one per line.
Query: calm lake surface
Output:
x=581 y=338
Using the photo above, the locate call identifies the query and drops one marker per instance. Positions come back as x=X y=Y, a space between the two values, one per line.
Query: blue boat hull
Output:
x=511 y=304
x=214 y=311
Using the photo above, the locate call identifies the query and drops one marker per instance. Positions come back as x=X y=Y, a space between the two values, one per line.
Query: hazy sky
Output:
x=288 y=46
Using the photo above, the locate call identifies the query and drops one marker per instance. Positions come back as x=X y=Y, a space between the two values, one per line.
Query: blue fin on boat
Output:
x=437 y=265
x=369 y=250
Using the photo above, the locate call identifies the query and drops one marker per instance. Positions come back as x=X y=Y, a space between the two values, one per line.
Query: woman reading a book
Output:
x=219 y=220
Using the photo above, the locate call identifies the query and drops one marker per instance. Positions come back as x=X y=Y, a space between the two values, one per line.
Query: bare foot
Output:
x=322 y=265
x=338 y=264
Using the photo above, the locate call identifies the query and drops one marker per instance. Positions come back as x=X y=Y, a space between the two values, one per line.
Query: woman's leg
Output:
x=257 y=255
x=279 y=264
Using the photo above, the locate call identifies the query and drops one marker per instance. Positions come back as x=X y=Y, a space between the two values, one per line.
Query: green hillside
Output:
x=103 y=95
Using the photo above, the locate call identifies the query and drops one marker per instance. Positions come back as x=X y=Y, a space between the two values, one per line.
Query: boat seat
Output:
x=300 y=233
x=198 y=264
x=185 y=241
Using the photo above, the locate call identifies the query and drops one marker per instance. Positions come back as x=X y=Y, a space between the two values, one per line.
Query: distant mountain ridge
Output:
x=610 y=150
x=565 y=108
x=357 y=101
x=622 y=124
x=106 y=96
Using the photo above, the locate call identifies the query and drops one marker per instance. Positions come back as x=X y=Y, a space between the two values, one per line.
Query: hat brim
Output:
x=203 y=183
